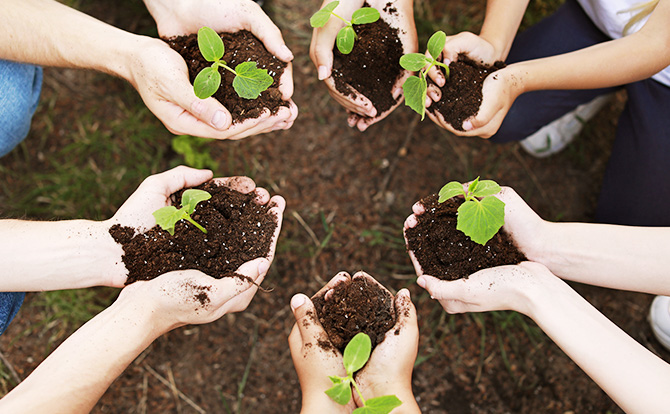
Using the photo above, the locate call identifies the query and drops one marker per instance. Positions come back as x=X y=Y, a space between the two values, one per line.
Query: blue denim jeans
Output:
x=20 y=86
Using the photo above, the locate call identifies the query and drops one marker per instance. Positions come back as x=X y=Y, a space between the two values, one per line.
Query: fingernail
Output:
x=219 y=120
x=286 y=52
x=197 y=107
x=404 y=293
x=297 y=301
x=263 y=267
x=323 y=72
x=467 y=125
x=397 y=92
x=421 y=281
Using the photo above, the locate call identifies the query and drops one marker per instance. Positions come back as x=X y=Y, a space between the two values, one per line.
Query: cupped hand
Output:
x=528 y=230
x=510 y=287
x=160 y=75
x=185 y=297
x=499 y=91
x=154 y=192
x=389 y=369
x=362 y=112
x=314 y=356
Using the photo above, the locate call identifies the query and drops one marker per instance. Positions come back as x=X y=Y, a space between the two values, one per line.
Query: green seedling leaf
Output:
x=191 y=197
x=345 y=40
x=340 y=392
x=486 y=188
x=320 y=18
x=436 y=44
x=414 y=61
x=379 y=405
x=206 y=83
x=167 y=217
x=473 y=185
x=481 y=220
x=357 y=352
x=415 y=88
x=250 y=80
x=449 y=190
x=210 y=44
x=365 y=15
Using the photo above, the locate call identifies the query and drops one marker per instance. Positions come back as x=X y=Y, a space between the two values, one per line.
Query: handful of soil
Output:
x=372 y=67
x=238 y=230
x=239 y=47
x=356 y=305
x=447 y=253
x=462 y=92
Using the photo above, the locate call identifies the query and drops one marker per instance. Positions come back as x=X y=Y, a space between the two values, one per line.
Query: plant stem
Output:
x=190 y=220
x=342 y=18
x=223 y=65
x=358 y=391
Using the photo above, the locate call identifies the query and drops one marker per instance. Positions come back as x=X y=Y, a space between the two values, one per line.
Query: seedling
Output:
x=356 y=354
x=347 y=35
x=249 y=80
x=167 y=217
x=481 y=215
x=416 y=87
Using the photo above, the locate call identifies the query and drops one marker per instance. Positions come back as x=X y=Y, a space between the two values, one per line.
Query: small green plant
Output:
x=356 y=355
x=347 y=35
x=167 y=217
x=415 y=87
x=481 y=215
x=249 y=80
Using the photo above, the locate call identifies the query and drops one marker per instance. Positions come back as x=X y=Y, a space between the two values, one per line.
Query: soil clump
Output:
x=238 y=230
x=239 y=47
x=355 y=306
x=447 y=253
x=462 y=92
x=372 y=67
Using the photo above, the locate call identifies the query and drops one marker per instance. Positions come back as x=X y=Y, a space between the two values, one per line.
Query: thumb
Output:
x=435 y=287
x=306 y=319
x=321 y=49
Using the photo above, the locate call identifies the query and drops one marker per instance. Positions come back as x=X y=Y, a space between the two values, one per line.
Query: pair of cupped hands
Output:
x=161 y=77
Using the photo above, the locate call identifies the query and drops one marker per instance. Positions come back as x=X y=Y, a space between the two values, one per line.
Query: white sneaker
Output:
x=556 y=135
x=659 y=318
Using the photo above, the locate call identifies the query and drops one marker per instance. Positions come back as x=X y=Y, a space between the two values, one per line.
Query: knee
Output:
x=21 y=85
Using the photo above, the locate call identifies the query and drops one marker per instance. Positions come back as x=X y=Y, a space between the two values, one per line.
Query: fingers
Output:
x=244 y=185
x=336 y=280
x=266 y=31
x=175 y=179
x=286 y=82
x=321 y=48
x=307 y=329
x=357 y=103
x=405 y=312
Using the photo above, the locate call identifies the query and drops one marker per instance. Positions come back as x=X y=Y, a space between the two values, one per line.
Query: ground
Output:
x=348 y=194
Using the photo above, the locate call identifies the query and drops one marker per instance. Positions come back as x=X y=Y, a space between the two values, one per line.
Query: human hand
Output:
x=499 y=91
x=530 y=232
x=511 y=287
x=389 y=369
x=154 y=192
x=314 y=356
x=185 y=297
x=362 y=112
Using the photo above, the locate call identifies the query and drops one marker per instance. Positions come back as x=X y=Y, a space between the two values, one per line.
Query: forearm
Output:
x=631 y=375
x=620 y=257
x=605 y=64
x=67 y=254
x=77 y=373
x=502 y=23
x=45 y=32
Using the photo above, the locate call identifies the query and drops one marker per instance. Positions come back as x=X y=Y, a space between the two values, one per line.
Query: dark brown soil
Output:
x=240 y=47
x=372 y=67
x=449 y=254
x=238 y=230
x=462 y=92
x=358 y=305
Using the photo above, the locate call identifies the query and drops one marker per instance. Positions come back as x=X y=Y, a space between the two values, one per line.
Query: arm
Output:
x=635 y=378
x=45 y=32
x=77 y=373
x=581 y=69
